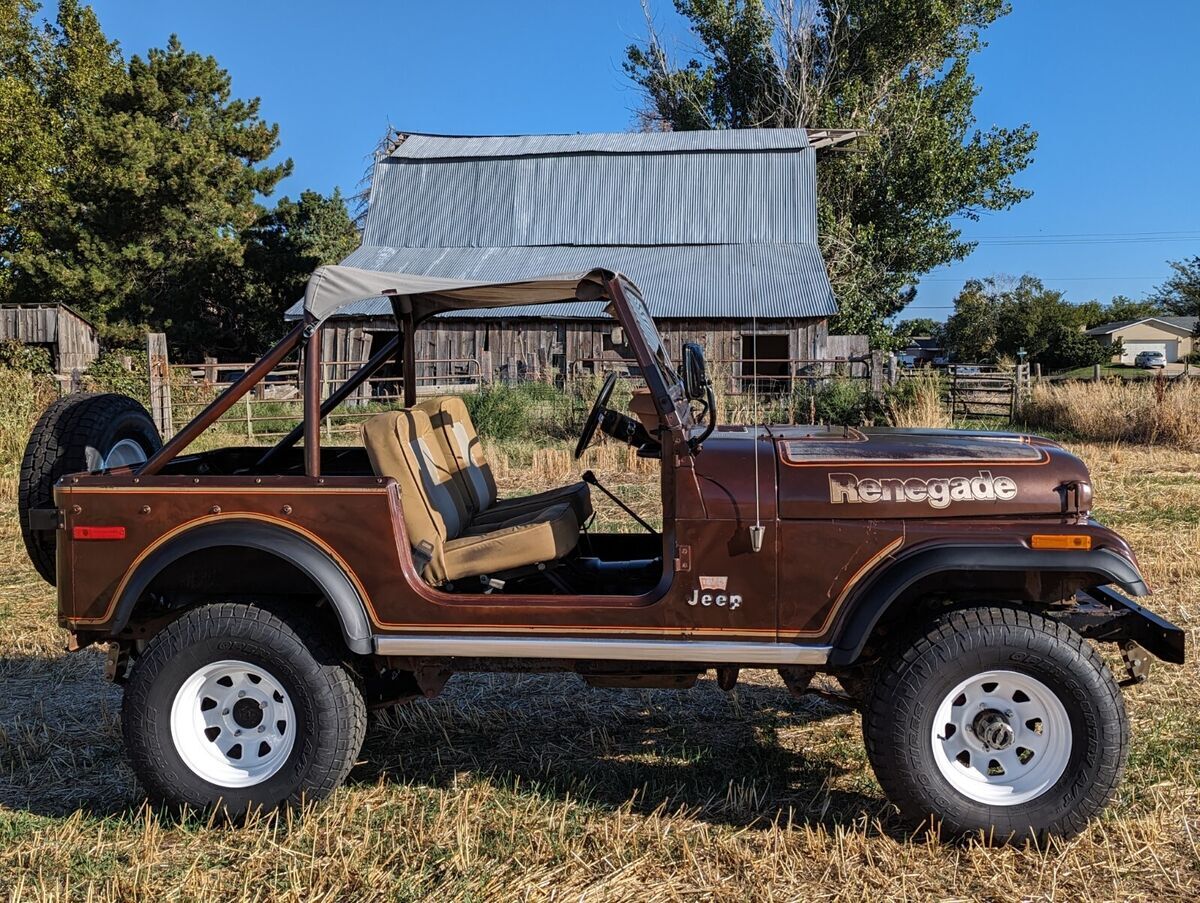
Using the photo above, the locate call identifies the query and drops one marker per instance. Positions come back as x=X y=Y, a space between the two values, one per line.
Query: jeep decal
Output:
x=847 y=488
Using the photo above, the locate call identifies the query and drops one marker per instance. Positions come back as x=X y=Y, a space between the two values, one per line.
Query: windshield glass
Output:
x=645 y=325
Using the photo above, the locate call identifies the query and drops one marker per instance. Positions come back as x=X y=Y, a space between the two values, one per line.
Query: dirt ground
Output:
x=538 y=787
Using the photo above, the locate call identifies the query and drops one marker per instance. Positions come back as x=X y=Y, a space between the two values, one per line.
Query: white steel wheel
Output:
x=233 y=724
x=125 y=453
x=1001 y=738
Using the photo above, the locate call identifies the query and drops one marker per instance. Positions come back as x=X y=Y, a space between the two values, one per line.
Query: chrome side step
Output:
x=698 y=651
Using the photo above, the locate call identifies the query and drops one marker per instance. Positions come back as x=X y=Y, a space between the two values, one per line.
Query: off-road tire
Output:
x=331 y=717
x=74 y=434
x=899 y=715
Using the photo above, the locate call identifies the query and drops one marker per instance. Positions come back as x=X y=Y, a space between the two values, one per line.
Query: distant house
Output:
x=1170 y=335
x=718 y=228
x=921 y=351
x=68 y=336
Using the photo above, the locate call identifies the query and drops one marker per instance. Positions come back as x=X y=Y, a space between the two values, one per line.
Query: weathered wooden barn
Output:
x=718 y=228
x=69 y=336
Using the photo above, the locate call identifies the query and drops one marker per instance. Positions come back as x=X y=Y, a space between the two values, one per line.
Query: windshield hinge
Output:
x=683 y=558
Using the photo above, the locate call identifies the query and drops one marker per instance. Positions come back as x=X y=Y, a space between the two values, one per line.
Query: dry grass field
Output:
x=538 y=787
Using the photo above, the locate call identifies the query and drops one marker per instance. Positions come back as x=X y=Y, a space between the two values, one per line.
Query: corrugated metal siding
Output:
x=786 y=280
x=443 y=146
x=653 y=199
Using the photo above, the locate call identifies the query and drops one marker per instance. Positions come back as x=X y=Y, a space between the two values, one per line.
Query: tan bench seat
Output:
x=404 y=445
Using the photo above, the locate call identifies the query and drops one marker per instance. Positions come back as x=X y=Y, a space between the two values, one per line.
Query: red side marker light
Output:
x=97 y=532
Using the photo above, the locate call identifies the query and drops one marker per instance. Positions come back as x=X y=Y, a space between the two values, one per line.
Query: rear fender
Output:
x=290 y=547
x=872 y=600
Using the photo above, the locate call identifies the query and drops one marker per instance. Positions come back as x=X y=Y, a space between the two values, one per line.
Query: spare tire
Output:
x=86 y=431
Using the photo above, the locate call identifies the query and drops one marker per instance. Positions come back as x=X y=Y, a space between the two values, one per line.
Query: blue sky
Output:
x=1112 y=88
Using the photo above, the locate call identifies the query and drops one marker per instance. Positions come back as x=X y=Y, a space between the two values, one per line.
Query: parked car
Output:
x=257 y=601
x=1150 y=360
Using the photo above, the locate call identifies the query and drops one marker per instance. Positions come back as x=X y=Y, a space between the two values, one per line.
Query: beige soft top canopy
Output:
x=332 y=287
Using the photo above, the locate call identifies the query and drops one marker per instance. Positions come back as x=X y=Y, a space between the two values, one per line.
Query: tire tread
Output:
x=963 y=632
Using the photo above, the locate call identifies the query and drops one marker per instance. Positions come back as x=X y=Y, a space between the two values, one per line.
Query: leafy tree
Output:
x=972 y=331
x=282 y=250
x=897 y=70
x=1121 y=308
x=995 y=318
x=27 y=148
x=132 y=190
x=1180 y=295
x=905 y=330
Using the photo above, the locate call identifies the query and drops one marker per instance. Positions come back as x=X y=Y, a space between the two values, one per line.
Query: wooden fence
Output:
x=775 y=387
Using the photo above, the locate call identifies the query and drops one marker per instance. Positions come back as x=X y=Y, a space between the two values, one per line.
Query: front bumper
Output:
x=1106 y=615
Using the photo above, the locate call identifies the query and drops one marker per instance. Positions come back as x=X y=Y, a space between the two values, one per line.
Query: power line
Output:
x=1086 y=238
x=1045 y=278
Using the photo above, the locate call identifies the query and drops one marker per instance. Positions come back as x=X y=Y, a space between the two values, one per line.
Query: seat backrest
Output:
x=460 y=444
x=404 y=445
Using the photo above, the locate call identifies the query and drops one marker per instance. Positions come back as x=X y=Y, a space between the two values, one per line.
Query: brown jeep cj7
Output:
x=257 y=601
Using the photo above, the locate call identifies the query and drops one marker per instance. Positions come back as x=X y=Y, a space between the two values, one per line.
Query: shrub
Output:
x=916 y=401
x=26 y=395
x=499 y=411
x=15 y=355
x=108 y=373
x=843 y=402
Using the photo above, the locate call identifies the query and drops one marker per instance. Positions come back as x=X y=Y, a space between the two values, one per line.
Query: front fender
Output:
x=289 y=546
x=880 y=591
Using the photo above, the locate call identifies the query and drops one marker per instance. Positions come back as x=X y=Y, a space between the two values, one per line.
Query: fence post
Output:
x=160 y=383
x=953 y=393
x=877 y=380
x=1095 y=373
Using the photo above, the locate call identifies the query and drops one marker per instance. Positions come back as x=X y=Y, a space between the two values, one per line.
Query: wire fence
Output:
x=786 y=389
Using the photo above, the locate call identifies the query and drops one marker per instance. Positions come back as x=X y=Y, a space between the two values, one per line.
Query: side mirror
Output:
x=694 y=371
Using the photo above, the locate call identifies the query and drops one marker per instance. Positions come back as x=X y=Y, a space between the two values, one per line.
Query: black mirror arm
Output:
x=710 y=404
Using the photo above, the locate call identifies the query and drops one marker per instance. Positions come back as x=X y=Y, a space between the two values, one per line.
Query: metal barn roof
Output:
x=419 y=146
x=705 y=222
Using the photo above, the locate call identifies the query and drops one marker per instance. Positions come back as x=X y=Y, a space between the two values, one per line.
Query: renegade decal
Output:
x=937 y=493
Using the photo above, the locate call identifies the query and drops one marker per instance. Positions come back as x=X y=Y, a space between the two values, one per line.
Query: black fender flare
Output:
x=287 y=545
x=875 y=595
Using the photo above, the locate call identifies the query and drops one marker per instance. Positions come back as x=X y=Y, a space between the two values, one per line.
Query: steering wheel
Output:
x=595 y=415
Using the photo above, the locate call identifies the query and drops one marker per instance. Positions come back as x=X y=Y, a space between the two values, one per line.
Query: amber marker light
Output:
x=1074 y=542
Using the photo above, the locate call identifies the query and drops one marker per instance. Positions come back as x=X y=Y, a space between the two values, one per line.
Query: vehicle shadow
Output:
x=60 y=737
x=740 y=759
x=737 y=759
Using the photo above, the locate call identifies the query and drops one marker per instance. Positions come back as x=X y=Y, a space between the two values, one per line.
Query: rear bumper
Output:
x=1105 y=614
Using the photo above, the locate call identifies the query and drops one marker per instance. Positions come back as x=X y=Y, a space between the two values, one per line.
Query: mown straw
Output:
x=538 y=787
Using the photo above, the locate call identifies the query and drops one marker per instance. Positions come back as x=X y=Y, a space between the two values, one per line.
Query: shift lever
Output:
x=590 y=479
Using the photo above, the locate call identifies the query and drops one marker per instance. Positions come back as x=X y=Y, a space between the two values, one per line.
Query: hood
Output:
x=887 y=473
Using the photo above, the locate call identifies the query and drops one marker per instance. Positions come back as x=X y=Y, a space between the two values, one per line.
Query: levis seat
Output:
x=403 y=445
x=460 y=444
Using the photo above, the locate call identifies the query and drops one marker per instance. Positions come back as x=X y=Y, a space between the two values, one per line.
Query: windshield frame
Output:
x=629 y=308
